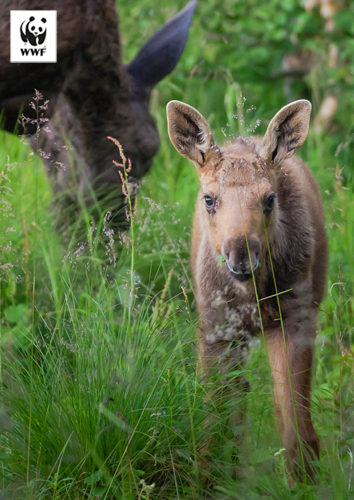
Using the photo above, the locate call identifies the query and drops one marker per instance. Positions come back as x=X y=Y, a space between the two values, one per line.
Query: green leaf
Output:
x=99 y=490
x=222 y=259
x=235 y=373
x=21 y=340
x=232 y=494
x=324 y=391
x=259 y=456
x=15 y=314
x=94 y=478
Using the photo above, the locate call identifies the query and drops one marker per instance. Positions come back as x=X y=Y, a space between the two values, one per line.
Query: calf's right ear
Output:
x=286 y=132
x=190 y=133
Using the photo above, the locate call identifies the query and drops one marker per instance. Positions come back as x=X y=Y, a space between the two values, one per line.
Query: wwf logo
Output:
x=33 y=35
x=33 y=31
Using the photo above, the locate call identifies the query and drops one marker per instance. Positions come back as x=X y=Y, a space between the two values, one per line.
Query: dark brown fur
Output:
x=287 y=240
x=92 y=94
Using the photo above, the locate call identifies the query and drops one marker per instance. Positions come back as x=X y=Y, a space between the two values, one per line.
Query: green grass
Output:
x=101 y=392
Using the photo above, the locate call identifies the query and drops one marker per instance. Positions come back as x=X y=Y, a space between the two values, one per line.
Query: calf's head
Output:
x=238 y=207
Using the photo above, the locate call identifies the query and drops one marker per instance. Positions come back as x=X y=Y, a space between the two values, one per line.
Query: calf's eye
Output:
x=269 y=204
x=208 y=201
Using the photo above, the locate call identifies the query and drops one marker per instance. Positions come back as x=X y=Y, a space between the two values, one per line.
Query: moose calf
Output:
x=259 y=212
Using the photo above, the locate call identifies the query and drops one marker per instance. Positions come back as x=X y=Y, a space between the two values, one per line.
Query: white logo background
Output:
x=21 y=51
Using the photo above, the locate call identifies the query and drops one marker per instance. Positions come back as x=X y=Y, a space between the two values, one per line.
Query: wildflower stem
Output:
x=127 y=193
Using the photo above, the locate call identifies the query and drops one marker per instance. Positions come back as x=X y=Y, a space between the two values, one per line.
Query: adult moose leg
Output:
x=291 y=357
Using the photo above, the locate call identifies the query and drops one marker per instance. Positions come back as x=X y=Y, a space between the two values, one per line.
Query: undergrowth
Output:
x=102 y=395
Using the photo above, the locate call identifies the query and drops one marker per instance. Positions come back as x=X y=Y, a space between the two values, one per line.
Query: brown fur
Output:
x=92 y=94
x=288 y=240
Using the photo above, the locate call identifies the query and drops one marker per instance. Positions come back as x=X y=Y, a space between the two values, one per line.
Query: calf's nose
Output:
x=240 y=259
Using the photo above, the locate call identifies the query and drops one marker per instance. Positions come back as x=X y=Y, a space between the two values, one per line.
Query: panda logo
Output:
x=34 y=32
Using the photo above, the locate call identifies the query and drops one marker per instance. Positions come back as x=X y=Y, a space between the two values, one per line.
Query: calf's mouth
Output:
x=242 y=275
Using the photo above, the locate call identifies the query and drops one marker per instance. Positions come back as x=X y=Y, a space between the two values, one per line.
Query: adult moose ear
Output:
x=190 y=133
x=160 y=54
x=286 y=132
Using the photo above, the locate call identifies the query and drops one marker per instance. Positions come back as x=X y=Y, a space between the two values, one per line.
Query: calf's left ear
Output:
x=286 y=132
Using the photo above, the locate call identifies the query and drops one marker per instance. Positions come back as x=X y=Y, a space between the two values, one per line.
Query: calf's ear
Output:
x=190 y=133
x=286 y=132
x=160 y=54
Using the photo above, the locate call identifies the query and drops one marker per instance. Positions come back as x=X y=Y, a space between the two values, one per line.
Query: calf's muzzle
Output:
x=242 y=254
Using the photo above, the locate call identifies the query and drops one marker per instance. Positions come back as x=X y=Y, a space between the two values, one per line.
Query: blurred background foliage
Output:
x=277 y=51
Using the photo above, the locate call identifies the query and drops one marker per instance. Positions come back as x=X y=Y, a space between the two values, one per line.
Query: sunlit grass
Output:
x=101 y=394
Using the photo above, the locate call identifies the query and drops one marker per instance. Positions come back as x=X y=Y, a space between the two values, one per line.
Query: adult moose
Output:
x=259 y=210
x=91 y=94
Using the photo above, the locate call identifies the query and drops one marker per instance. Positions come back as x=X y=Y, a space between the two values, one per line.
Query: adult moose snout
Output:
x=242 y=254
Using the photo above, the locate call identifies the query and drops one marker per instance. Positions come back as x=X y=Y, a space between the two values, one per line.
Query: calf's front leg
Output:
x=290 y=357
x=220 y=357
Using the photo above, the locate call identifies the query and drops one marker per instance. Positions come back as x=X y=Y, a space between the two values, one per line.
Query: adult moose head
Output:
x=91 y=94
x=259 y=211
